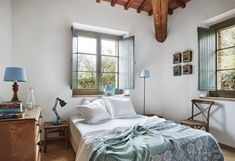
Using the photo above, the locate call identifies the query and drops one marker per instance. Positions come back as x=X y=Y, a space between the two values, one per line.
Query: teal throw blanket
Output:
x=134 y=144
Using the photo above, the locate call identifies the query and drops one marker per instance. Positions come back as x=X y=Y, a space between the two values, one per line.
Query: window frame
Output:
x=99 y=37
x=217 y=27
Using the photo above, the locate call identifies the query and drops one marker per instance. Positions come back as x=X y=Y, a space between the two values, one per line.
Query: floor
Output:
x=56 y=152
x=229 y=154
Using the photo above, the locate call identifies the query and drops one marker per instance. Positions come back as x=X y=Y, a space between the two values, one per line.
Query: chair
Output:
x=204 y=111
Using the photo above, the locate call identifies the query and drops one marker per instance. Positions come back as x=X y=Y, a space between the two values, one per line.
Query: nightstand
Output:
x=20 y=138
x=60 y=130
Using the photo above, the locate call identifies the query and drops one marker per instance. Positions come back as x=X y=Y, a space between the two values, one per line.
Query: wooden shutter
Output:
x=126 y=63
x=207 y=60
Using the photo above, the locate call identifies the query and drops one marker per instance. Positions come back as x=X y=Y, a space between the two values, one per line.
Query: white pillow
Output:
x=120 y=107
x=99 y=103
x=93 y=114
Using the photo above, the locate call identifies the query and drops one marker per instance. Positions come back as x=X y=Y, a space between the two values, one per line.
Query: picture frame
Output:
x=177 y=58
x=187 y=56
x=187 y=69
x=177 y=70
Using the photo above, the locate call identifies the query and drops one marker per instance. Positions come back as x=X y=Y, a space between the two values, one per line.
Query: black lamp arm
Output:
x=55 y=111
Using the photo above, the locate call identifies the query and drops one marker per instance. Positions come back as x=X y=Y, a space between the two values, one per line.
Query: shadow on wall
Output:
x=221 y=122
x=218 y=124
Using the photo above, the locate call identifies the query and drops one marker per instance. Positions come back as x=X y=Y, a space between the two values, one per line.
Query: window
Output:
x=217 y=59
x=226 y=59
x=96 y=62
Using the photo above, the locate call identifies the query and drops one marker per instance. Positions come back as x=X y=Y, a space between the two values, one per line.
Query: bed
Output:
x=188 y=143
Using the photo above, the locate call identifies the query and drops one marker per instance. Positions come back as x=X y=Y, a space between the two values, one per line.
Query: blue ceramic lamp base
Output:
x=58 y=122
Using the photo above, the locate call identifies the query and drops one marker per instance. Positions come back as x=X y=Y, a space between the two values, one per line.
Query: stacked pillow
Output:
x=120 y=107
x=94 y=112
x=106 y=108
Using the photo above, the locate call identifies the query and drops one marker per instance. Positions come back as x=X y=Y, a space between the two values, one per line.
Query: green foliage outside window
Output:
x=226 y=59
x=87 y=78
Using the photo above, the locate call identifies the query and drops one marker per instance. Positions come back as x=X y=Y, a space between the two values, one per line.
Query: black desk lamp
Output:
x=62 y=104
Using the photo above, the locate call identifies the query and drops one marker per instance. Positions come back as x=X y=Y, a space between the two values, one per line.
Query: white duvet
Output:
x=79 y=129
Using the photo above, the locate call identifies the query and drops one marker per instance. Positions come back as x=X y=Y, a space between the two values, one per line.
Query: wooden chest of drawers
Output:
x=20 y=138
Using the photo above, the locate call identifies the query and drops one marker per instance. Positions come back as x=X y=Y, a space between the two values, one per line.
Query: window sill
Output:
x=94 y=95
x=219 y=98
x=88 y=95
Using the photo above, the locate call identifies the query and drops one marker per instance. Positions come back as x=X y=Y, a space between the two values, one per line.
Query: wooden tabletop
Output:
x=50 y=125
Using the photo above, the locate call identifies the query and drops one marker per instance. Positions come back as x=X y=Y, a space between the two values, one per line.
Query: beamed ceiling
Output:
x=160 y=9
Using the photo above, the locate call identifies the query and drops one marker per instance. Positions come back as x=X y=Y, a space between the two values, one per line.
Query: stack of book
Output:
x=9 y=110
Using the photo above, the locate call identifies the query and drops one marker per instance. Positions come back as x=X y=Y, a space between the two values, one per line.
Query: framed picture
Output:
x=177 y=58
x=187 y=69
x=187 y=56
x=177 y=70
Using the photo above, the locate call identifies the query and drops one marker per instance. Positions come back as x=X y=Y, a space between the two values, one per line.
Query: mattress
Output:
x=188 y=143
x=78 y=129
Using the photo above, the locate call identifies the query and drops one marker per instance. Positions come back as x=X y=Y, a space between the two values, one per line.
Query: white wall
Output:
x=42 y=44
x=5 y=47
x=178 y=91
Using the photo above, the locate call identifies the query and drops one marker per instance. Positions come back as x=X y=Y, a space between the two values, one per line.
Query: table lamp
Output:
x=62 y=104
x=15 y=74
x=144 y=73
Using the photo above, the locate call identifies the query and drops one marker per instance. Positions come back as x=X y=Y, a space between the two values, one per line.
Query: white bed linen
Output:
x=78 y=129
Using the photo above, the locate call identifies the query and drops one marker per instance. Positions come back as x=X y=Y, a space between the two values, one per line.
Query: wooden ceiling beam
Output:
x=98 y=1
x=113 y=3
x=127 y=5
x=180 y=3
x=141 y=7
x=160 y=13
x=150 y=13
x=170 y=11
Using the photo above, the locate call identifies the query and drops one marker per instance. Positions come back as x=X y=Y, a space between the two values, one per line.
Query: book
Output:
x=11 y=115
x=13 y=110
x=3 y=104
x=10 y=107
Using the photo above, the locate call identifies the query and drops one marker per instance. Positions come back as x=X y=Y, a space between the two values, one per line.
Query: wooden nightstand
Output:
x=62 y=131
x=20 y=138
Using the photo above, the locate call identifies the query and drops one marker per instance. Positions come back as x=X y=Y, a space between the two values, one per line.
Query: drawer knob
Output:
x=39 y=143
x=40 y=131
x=40 y=116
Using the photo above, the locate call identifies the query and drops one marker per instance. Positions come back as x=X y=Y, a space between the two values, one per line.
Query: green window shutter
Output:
x=74 y=81
x=207 y=60
x=126 y=63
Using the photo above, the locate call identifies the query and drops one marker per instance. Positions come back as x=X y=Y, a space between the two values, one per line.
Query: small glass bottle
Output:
x=30 y=103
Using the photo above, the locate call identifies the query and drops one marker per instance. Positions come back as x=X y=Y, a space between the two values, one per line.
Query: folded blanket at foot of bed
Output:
x=153 y=141
x=136 y=143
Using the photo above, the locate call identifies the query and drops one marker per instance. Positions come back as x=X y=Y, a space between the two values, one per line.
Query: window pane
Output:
x=107 y=78
x=75 y=44
x=75 y=62
x=86 y=45
x=226 y=80
x=109 y=64
x=226 y=59
x=86 y=62
x=109 y=47
x=86 y=80
x=226 y=37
